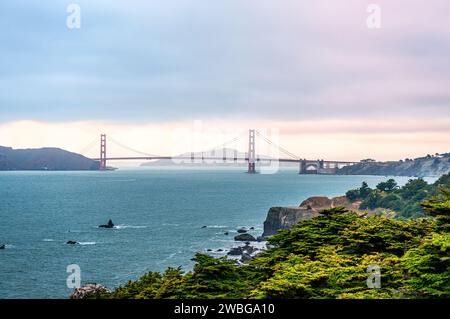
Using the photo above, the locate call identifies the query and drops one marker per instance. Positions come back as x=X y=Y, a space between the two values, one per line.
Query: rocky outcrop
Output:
x=318 y=203
x=235 y=251
x=2 y=246
x=110 y=224
x=245 y=257
x=244 y=237
x=71 y=242
x=82 y=292
x=246 y=252
x=285 y=217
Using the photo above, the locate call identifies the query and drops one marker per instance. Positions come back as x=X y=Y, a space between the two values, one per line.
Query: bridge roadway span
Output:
x=207 y=158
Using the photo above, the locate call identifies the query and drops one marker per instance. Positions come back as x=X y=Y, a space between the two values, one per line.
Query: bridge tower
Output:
x=302 y=166
x=321 y=164
x=251 y=152
x=103 y=152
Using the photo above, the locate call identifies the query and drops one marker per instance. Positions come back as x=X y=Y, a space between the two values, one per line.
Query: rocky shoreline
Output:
x=252 y=245
x=278 y=218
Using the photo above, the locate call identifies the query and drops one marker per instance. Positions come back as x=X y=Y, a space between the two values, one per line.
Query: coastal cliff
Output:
x=279 y=218
x=430 y=165
x=284 y=217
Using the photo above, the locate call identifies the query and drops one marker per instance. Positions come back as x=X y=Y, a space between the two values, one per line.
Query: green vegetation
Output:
x=405 y=201
x=328 y=257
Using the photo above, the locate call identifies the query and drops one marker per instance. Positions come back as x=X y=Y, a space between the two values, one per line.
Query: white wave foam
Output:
x=128 y=226
x=118 y=180
x=171 y=256
x=83 y=243
x=223 y=240
x=48 y=239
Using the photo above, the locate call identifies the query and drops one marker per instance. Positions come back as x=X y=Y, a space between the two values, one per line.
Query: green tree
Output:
x=428 y=268
x=392 y=201
x=372 y=200
x=216 y=278
x=333 y=211
x=439 y=207
x=365 y=190
x=415 y=189
x=388 y=186
x=353 y=195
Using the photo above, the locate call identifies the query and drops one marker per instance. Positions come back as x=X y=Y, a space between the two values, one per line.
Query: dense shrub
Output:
x=405 y=200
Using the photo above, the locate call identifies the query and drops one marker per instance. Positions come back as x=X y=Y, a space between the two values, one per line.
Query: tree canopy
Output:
x=327 y=257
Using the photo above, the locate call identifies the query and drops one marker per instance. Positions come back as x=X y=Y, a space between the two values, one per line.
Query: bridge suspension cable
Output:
x=235 y=139
x=280 y=148
x=89 y=146
x=130 y=148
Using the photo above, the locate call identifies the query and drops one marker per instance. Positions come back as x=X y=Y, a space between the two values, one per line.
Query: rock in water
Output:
x=244 y=237
x=242 y=230
x=3 y=247
x=245 y=257
x=226 y=233
x=204 y=226
x=71 y=242
x=109 y=225
x=250 y=249
x=91 y=289
x=235 y=251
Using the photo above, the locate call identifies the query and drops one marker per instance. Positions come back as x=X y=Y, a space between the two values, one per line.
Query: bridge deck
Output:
x=207 y=158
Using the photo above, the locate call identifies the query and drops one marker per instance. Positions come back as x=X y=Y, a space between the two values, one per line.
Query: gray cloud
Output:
x=165 y=60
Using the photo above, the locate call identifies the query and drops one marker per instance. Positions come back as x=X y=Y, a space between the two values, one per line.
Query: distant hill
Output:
x=230 y=153
x=52 y=159
x=430 y=165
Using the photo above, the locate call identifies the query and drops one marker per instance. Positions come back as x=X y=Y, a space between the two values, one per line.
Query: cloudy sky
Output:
x=140 y=70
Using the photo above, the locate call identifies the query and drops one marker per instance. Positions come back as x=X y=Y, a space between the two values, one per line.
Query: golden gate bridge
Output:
x=251 y=158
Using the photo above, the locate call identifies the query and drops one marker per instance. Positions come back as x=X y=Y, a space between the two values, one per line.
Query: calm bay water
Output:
x=159 y=213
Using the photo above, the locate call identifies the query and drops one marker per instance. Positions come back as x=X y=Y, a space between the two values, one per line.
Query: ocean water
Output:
x=159 y=214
